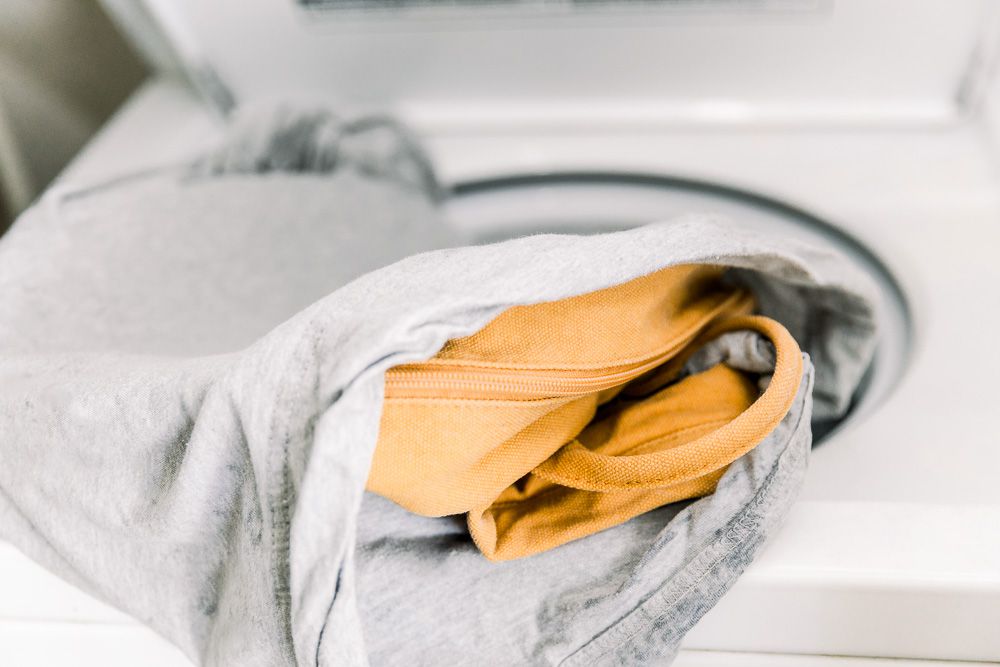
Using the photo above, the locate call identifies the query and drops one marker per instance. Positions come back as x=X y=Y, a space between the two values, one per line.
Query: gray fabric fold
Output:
x=268 y=139
x=190 y=390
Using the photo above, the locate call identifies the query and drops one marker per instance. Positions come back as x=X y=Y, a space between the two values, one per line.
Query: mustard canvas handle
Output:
x=577 y=467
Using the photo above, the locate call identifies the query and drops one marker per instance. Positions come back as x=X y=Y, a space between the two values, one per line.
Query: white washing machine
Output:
x=870 y=125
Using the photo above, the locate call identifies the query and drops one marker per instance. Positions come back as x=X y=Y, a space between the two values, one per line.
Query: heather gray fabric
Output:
x=623 y=596
x=187 y=438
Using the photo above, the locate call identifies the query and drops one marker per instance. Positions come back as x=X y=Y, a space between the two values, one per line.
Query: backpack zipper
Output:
x=432 y=379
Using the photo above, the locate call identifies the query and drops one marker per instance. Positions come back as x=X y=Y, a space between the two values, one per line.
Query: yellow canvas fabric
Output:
x=561 y=419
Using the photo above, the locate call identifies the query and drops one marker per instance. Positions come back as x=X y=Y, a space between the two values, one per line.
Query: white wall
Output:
x=63 y=70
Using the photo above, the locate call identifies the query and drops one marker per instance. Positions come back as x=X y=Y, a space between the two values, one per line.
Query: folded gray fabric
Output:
x=186 y=437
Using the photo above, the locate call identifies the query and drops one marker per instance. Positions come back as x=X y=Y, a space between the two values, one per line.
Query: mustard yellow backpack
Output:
x=561 y=419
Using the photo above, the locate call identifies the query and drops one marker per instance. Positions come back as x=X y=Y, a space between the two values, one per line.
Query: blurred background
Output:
x=64 y=69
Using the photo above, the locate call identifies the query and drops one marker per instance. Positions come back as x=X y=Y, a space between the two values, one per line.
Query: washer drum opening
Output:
x=497 y=209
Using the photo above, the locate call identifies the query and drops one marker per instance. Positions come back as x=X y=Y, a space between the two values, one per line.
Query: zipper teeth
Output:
x=507 y=382
x=502 y=385
x=514 y=382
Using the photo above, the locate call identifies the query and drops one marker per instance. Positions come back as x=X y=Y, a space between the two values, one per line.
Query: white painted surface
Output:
x=161 y=124
x=895 y=549
x=84 y=645
x=799 y=61
x=869 y=578
x=728 y=659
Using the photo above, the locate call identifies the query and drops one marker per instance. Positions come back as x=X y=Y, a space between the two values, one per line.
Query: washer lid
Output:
x=557 y=62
